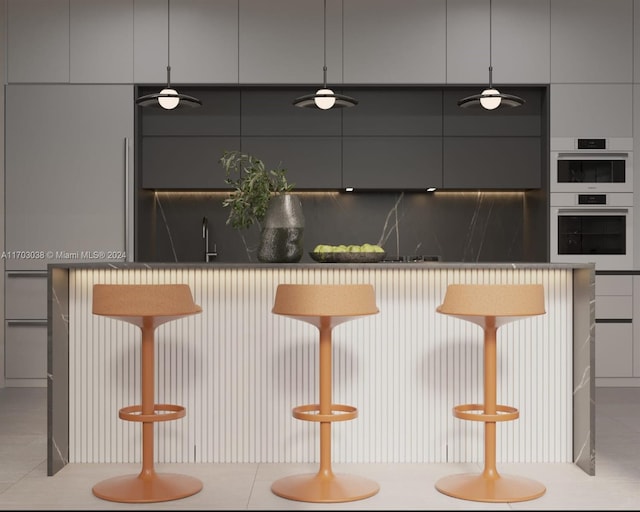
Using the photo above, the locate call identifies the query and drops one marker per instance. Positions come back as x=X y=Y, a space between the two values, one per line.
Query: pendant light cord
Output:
x=490 y=46
x=168 y=44
x=324 y=29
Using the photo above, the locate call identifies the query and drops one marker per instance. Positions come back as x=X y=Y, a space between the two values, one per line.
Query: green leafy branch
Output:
x=253 y=187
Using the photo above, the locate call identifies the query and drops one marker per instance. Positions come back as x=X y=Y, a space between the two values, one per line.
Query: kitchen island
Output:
x=239 y=369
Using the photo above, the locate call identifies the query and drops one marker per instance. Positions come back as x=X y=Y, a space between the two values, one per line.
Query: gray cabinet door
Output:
x=101 y=41
x=204 y=41
x=311 y=162
x=591 y=41
x=467 y=41
x=591 y=110
x=281 y=41
x=519 y=46
x=393 y=139
x=185 y=163
x=65 y=175
x=523 y=120
x=38 y=41
x=181 y=149
x=392 y=163
x=150 y=40
x=395 y=41
x=494 y=163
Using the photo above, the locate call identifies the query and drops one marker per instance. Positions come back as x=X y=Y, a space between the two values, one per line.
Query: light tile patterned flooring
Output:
x=25 y=486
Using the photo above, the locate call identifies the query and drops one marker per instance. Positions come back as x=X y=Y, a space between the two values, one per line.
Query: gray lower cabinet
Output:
x=25 y=330
x=68 y=184
x=614 y=312
x=69 y=151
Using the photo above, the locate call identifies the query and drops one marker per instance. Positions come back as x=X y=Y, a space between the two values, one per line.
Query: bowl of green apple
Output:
x=365 y=253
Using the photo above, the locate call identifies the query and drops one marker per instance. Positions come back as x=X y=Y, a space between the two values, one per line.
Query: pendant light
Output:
x=325 y=98
x=490 y=98
x=168 y=98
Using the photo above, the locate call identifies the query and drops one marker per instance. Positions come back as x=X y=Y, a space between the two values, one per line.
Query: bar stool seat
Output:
x=325 y=306
x=490 y=307
x=146 y=306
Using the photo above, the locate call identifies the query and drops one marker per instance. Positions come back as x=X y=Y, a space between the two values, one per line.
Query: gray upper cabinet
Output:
x=591 y=41
x=520 y=48
x=467 y=20
x=636 y=41
x=101 y=41
x=393 y=139
x=492 y=163
x=204 y=41
x=493 y=150
x=395 y=41
x=38 y=41
x=591 y=110
x=281 y=41
x=150 y=40
x=181 y=148
x=66 y=173
x=306 y=142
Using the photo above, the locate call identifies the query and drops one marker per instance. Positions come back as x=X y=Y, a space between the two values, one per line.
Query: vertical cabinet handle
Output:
x=128 y=247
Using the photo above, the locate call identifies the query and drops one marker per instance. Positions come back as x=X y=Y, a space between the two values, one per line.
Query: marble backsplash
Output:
x=453 y=226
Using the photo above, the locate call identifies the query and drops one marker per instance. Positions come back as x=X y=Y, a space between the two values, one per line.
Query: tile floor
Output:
x=25 y=486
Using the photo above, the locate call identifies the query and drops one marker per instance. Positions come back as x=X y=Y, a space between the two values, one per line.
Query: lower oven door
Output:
x=600 y=235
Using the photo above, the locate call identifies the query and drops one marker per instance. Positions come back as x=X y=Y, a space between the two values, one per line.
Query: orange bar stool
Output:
x=490 y=307
x=325 y=306
x=146 y=306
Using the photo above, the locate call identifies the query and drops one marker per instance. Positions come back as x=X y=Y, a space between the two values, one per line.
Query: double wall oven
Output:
x=591 y=200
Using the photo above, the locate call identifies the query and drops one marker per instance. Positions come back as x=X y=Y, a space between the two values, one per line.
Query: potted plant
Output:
x=261 y=197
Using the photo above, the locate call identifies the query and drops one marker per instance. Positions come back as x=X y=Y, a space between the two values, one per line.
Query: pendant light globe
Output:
x=324 y=99
x=490 y=99
x=168 y=99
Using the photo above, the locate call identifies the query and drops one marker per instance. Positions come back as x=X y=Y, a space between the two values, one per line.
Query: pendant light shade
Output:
x=324 y=98
x=168 y=98
x=491 y=98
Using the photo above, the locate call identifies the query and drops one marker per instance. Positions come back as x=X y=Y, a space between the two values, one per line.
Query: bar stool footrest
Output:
x=168 y=412
x=311 y=412
x=504 y=413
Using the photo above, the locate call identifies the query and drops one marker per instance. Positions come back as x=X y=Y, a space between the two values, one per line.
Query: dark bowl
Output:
x=347 y=257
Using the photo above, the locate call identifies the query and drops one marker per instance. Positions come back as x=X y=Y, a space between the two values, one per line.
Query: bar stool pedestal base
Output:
x=500 y=489
x=320 y=488
x=136 y=489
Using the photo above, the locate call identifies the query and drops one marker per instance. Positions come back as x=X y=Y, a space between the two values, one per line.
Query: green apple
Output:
x=341 y=248
x=366 y=248
x=377 y=248
x=322 y=248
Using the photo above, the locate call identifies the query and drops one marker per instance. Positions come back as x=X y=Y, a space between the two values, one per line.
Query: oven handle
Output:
x=590 y=154
x=593 y=210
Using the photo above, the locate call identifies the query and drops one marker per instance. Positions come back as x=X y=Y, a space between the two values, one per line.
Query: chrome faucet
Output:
x=208 y=255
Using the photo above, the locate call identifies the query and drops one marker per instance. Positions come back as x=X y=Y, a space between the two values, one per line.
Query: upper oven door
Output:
x=604 y=166
x=593 y=172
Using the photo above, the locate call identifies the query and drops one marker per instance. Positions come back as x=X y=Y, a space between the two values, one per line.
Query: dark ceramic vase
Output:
x=281 y=240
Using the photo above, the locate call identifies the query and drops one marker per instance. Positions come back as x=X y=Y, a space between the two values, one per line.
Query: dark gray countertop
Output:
x=389 y=265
